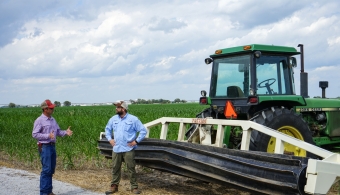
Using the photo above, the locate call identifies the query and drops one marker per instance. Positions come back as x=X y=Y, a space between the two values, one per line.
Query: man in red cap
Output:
x=45 y=130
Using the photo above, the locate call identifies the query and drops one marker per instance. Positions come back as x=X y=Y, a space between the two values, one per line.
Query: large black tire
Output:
x=285 y=121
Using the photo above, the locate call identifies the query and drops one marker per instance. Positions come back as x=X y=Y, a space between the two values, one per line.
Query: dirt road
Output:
x=151 y=182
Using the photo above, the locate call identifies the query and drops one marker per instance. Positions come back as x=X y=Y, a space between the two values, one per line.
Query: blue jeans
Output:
x=48 y=159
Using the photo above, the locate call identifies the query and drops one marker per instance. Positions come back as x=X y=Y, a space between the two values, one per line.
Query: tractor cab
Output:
x=242 y=74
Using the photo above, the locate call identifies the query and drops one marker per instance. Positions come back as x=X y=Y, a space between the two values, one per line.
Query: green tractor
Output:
x=256 y=82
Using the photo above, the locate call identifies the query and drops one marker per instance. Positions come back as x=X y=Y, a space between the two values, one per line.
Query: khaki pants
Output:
x=129 y=159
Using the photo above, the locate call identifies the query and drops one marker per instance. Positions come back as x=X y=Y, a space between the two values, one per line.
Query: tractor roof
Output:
x=255 y=47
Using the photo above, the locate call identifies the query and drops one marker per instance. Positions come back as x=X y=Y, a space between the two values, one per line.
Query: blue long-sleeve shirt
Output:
x=124 y=130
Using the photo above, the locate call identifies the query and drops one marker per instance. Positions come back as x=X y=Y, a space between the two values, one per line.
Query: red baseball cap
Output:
x=47 y=104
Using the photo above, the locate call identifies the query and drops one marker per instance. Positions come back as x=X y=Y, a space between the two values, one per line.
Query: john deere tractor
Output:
x=256 y=82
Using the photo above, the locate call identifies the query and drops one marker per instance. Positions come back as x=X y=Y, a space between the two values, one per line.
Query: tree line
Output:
x=138 y=101
x=156 y=101
x=56 y=103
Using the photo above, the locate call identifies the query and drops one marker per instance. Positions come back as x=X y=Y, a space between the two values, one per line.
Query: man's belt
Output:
x=40 y=145
x=50 y=143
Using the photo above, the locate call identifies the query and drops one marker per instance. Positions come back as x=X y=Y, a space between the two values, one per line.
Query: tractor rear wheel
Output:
x=287 y=122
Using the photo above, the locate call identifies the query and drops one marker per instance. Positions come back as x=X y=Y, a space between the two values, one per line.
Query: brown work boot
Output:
x=51 y=193
x=135 y=191
x=113 y=189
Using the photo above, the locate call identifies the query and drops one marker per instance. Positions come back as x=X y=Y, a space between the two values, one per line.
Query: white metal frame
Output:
x=320 y=174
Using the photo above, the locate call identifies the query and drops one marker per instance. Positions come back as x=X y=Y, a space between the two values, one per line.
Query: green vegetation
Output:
x=86 y=123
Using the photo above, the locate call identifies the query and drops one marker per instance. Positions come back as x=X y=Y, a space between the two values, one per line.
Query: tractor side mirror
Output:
x=208 y=60
x=292 y=62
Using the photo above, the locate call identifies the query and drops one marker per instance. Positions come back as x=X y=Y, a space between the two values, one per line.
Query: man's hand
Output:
x=133 y=143
x=112 y=142
x=68 y=131
x=51 y=135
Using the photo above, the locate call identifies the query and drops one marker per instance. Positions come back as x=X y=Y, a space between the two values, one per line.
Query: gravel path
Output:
x=15 y=182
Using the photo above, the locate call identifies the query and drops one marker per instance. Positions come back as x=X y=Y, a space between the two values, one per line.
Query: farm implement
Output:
x=257 y=134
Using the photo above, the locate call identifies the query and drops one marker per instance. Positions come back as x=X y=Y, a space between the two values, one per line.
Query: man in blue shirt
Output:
x=122 y=131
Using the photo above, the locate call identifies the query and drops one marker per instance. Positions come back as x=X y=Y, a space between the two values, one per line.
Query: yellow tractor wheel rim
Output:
x=288 y=148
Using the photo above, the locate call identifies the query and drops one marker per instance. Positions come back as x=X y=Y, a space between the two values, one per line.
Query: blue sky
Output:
x=91 y=52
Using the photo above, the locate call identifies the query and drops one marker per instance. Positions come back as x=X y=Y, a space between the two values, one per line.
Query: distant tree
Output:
x=184 y=101
x=177 y=100
x=11 y=105
x=317 y=97
x=57 y=104
x=67 y=103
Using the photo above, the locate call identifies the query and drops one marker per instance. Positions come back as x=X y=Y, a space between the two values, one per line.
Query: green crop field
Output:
x=80 y=149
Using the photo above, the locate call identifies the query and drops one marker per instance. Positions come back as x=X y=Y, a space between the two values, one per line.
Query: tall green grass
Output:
x=16 y=125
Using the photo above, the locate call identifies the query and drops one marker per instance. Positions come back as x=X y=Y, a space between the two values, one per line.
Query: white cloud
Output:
x=140 y=67
x=326 y=69
x=164 y=63
x=166 y=25
x=146 y=49
x=333 y=41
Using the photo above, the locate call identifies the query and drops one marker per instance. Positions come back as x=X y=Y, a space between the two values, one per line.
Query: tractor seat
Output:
x=234 y=91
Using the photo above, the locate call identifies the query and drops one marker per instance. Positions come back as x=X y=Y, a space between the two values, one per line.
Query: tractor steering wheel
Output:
x=267 y=84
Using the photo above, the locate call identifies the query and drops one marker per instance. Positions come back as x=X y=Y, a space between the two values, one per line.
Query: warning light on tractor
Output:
x=203 y=100
x=253 y=100
x=218 y=51
x=247 y=47
x=229 y=111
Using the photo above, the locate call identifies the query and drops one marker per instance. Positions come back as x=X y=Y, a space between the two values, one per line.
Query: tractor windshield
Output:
x=274 y=75
x=231 y=76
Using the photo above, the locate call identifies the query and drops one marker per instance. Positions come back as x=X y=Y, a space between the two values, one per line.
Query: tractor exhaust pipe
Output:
x=303 y=75
x=323 y=85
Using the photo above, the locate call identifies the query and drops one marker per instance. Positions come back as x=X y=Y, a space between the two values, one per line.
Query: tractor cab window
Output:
x=274 y=75
x=231 y=77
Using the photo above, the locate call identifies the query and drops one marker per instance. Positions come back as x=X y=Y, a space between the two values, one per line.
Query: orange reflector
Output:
x=247 y=47
x=218 y=51
x=229 y=111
